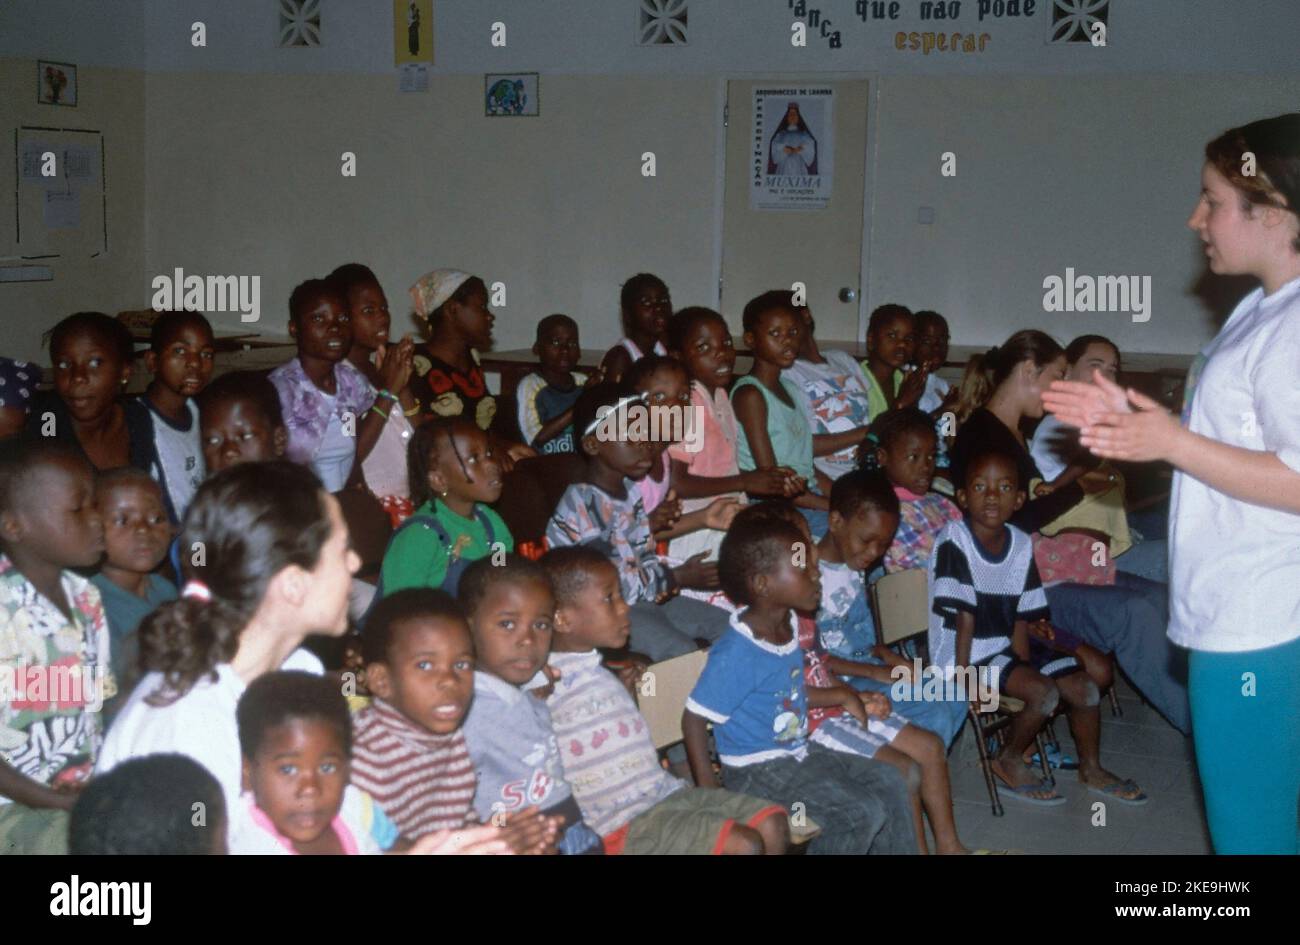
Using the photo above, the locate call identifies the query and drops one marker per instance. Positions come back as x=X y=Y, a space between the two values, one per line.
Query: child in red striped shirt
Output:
x=409 y=752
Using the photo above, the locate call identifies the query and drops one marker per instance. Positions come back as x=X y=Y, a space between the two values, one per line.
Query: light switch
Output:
x=925 y=215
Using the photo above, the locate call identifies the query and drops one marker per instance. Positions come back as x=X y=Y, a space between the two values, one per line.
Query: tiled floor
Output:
x=1139 y=745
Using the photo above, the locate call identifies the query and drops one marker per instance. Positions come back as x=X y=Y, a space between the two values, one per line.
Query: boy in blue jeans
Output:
x=752 y=690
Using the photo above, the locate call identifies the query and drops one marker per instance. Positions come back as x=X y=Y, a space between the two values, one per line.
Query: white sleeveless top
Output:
x=636 y=353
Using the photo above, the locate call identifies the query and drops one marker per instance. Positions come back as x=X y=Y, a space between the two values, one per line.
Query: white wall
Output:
x=112 y=101
x=1076 y=157
x=1095 y=174
x=555 y=206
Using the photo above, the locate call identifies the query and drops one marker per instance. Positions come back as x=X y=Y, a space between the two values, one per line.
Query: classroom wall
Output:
x=554 y=207
x=1084 y=158
x=753 y=36
x=1095 y=174
x=111 y=100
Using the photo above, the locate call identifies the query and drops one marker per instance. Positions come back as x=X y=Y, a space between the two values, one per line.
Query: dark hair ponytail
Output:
x=245 y=525
x=986 y=372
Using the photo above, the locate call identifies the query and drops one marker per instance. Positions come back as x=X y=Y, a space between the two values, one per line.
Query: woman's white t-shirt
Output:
x=1234 y=566
x=200 y=724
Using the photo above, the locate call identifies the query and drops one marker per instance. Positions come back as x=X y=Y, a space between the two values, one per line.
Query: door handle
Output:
x=848 y=295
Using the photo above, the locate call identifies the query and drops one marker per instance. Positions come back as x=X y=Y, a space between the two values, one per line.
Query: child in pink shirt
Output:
x=704 y=463
x=906 y=450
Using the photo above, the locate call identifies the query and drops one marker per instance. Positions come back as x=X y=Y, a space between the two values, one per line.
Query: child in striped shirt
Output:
x=409 y=752
x=609 y=759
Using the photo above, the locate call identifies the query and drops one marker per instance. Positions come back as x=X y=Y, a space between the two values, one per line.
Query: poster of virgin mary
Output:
x=793 y=149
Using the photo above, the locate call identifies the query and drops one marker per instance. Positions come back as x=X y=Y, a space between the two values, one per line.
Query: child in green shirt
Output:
x=454 y=475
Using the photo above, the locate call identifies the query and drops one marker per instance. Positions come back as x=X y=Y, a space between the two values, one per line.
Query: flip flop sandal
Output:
x=1023 y=793
x=1114 y=789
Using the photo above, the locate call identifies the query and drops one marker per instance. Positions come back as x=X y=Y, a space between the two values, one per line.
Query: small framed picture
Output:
x=56 y=83
x=512 y=95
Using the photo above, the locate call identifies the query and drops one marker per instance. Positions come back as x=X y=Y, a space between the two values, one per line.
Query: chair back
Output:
x=663 y=692
x=901 y=602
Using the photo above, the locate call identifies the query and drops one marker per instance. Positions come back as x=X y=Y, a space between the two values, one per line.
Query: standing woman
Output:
x=1234 y=524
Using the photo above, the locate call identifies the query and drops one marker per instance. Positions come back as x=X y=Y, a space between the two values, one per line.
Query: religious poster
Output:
x=412 y=31
x=794 y=148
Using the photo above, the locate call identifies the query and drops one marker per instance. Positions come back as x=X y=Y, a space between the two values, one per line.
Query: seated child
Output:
x=546 y=397
x=773 y=424
x=930 y=352
x=989 y=613
x=864 y=518
x=53 y=624
x=836 y=400
x=707 y=468
x=752 y=690
x=448 y=380
x=295 y=735
x=388 y=365
x=159 y=805
x=511 y=609
x=455 y=474
x=662 y=383
x=92 y=355
x=409 y=749
x=609 y=759
x=907 y=450
x=891 y=339
x=137 y=535
x=940 y=397
x=180 y=357
x=645 y=306
x=665 y=387
x=240 y=421
x=333 y=414
x=607 y=506
x=864 y=723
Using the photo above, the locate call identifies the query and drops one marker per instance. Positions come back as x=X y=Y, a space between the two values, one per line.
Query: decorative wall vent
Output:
x=299 y=23
x=661 y=23
x=1073 y=20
